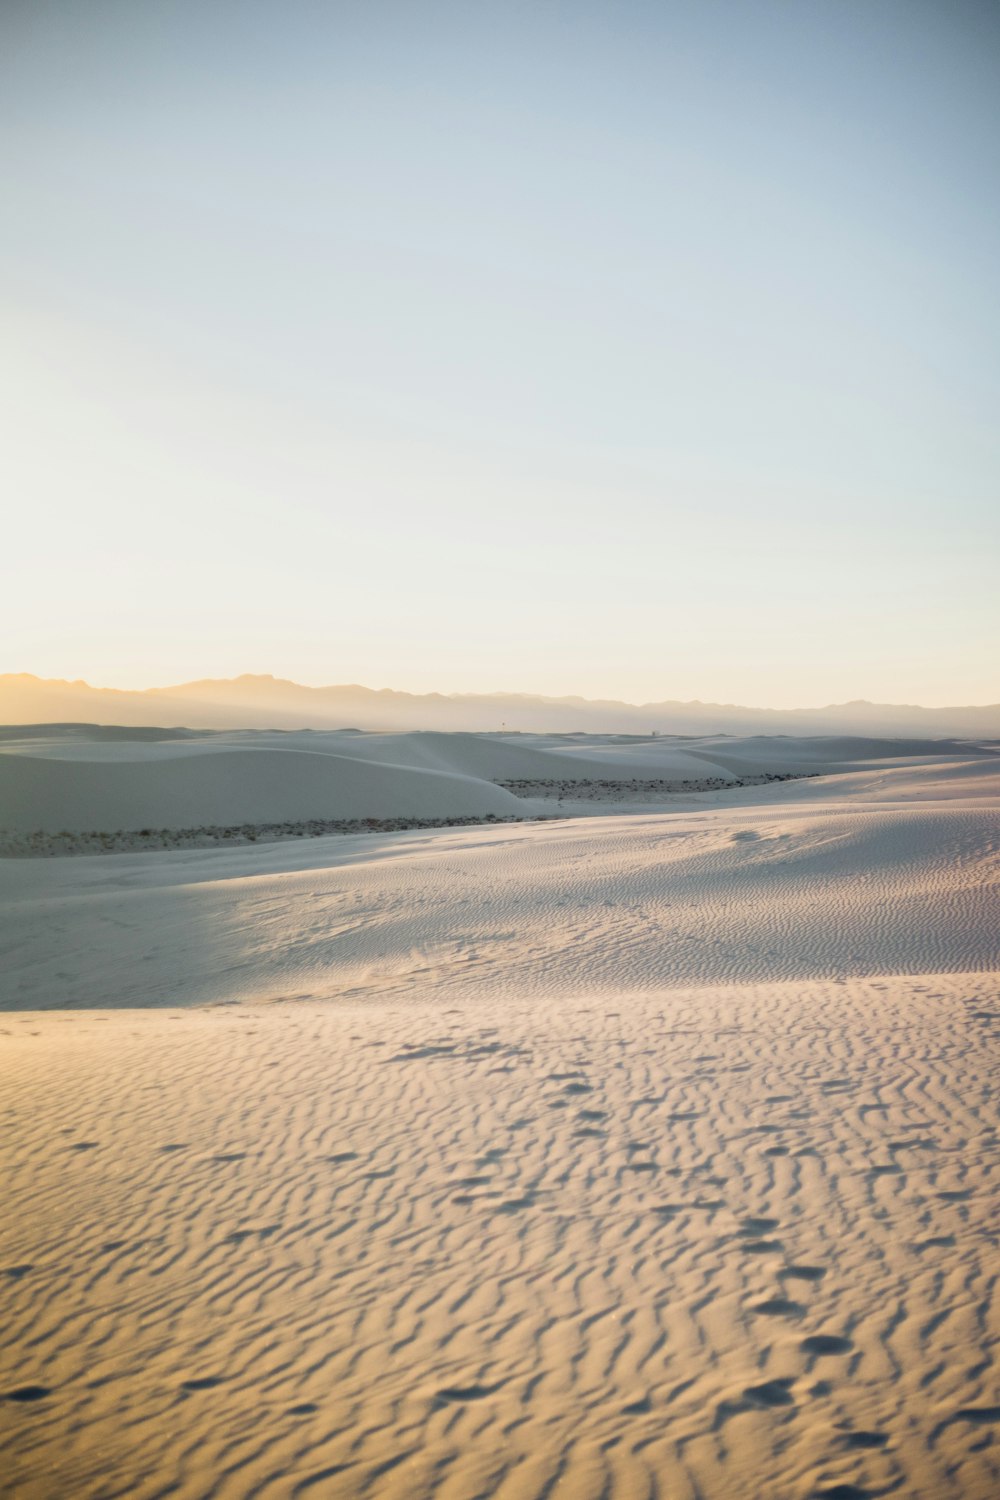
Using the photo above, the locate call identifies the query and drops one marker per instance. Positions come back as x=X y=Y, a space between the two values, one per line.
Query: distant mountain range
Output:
x=264 y=702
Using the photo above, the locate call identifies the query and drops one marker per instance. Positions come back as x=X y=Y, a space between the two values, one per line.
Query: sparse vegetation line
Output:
x=42 y=845
x=592 y=790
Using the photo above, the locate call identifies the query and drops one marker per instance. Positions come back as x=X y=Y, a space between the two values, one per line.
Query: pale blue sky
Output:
x=632 y=350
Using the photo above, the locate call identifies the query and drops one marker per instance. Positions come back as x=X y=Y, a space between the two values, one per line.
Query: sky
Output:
x=641 y=351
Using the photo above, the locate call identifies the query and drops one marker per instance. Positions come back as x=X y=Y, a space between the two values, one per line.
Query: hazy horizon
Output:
x=509 y=692
x=635 y=352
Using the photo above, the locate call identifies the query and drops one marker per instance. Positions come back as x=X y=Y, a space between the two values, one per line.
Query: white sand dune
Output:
x=80 y=782
x=725 y=894
x=246 y=785
x=619 y=1156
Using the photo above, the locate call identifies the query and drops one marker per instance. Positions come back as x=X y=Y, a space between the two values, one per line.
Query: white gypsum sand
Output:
x=93 y=782
x=616 y=1155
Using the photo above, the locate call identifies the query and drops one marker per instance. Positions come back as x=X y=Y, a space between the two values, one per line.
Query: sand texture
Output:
x=646 y=1155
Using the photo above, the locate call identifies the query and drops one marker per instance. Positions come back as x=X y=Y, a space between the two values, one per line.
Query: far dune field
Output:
x=632 y=1136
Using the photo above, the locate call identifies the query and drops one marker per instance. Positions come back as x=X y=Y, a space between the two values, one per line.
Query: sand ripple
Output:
x=725 y=1242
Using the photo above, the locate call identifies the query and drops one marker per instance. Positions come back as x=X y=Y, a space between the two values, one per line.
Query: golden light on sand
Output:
x=646 y=1150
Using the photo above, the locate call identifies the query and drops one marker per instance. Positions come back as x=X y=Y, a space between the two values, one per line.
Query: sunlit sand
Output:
x=627 y=1153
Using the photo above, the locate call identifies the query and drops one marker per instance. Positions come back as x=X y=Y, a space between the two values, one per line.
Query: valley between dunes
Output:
x=650 y=1151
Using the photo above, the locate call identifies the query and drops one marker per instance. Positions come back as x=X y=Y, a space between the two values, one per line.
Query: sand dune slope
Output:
x=725 y=895
x=618 y=1158
x=186 y=790
x=727 y=1242
x=87 y=779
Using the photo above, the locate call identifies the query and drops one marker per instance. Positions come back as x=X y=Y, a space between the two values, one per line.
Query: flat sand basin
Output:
x=718 y=1242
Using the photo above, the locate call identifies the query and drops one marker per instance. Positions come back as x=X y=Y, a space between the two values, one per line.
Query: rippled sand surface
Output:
x=674 y=1248
x=475 y=1225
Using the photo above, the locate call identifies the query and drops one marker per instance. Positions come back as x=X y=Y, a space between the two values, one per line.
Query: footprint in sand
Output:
x=779 y=1307
x=865 y=1439
x=819 y=1344
x=803 y=1273
x=772 y=1393
x=753 y=1229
